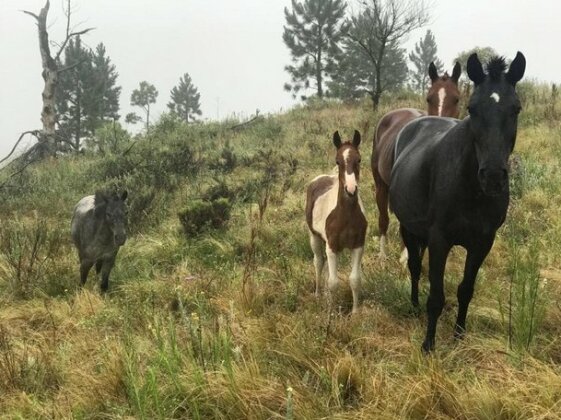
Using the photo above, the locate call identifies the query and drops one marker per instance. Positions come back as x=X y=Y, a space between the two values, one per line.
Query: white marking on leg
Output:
x=383 y=242
x=441 y=96
x=495 y=96
x=319 y=259
x=333 y=281
x=356 y=273
x=404 y=256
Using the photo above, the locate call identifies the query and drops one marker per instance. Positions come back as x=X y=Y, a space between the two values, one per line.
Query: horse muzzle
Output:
x=120 y=239
x=493 y=181
x=353 y=192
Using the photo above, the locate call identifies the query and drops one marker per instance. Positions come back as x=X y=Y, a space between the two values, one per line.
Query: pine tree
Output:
x=142 y=97
x=313 y=32
x=421 y=57
x=72 y=94
x=185 y=99
x=104 y=106
x=87 y=95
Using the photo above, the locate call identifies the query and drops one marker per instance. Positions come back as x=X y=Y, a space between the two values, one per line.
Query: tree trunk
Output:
x=50 y=76
x=319 y=71
x=147 y=118
x=47 y=145
x=378 y=88
x=78 y=119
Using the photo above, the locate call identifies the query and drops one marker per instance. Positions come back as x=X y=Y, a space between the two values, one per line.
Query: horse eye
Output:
x=336 y=161
x=359 y=159
x=456 y=100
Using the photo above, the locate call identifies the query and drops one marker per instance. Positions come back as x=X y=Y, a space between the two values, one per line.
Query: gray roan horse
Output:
x=449 y=184
x=335 y=216
x=442 y=101
x=98 y=230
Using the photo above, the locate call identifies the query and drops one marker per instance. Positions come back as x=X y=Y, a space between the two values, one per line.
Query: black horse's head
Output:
x=493 y=109
x=111 y=208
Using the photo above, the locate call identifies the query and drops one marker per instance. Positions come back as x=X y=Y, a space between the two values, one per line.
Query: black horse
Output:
x=449 y=184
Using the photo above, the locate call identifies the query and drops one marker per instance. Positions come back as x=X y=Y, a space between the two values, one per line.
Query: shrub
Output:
x=28 y=259
x=201 y=215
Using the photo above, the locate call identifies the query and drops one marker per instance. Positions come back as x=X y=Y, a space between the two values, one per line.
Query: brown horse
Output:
x=442 y=100
x=335 y=216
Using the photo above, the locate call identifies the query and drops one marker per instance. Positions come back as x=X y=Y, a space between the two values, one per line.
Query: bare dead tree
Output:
x=382 y=25
x=47 y=140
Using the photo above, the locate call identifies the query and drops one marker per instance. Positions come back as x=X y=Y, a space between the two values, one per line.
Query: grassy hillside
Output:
x=215 y=317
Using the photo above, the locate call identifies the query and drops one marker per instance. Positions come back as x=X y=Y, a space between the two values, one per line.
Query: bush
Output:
x=29 y=257
x=201 y=215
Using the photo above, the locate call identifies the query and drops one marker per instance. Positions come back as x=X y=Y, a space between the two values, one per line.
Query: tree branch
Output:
x=33 y=132
x=68 y=37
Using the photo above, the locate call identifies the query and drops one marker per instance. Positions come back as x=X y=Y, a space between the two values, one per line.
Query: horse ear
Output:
x=356 y=139
x=337 y=139
x=124 y=195
x=100 y=201
x=475 y=69
x=433 y=72
x=516 y=69
x=456 y=72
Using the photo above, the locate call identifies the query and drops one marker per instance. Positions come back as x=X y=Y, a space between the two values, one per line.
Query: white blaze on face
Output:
x=495 y=96
x=350 y=178
x=441 y=96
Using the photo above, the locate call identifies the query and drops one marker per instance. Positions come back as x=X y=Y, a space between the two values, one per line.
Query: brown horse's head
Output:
x=348 y=163
x=443 y=96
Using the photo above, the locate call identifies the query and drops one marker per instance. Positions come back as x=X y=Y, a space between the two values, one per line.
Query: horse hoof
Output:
x=459 y=333
x=427 y=347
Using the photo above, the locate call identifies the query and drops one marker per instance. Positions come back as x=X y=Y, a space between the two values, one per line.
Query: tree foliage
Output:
x=185 y=99
x=142 y=97
x=422 y=55
x=379 y=29
x=356 y=76
x=313 y=32
x=87 y=95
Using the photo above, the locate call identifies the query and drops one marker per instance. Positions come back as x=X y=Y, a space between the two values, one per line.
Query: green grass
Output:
x=222 y=323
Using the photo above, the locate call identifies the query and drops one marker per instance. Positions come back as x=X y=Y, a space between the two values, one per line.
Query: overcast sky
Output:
x=233 y=49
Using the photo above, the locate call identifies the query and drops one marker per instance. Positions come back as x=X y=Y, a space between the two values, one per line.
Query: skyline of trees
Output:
x=357 y=53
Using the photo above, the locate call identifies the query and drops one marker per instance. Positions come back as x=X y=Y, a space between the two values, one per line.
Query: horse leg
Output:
x=98 y=265
x=333 y=281
x=354 y=279
x=438 y=253
x=382 y=194
x=413 y=262
x=85 y=267
x=106 y=268
x=317 y=245
x=475 y=257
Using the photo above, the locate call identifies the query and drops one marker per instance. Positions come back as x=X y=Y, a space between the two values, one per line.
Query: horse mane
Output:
x=101 y=197
x=496 y=67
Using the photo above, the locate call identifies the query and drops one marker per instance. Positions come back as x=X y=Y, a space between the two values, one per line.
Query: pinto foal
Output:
x=335 y=216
